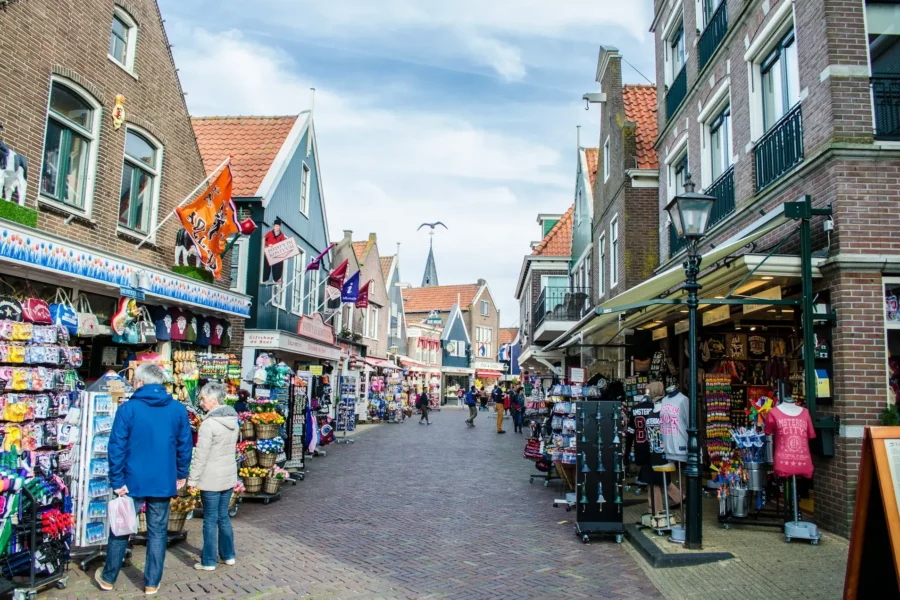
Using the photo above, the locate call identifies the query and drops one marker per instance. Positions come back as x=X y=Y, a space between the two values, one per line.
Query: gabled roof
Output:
x=508 y=334
x=455 y=314
x=558 y=242
x=640 y=108
x=252 y=142
x=438 y=297
x=359 y=249
x=386 y=262
x=591 y=155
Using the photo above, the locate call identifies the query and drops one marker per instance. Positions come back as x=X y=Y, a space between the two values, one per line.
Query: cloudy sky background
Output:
x=462 y=111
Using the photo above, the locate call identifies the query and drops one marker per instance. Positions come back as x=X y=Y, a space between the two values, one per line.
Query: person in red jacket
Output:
x=272 y=238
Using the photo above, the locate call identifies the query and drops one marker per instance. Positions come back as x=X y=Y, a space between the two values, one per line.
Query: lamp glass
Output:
x=694 y=211
x=675 y=216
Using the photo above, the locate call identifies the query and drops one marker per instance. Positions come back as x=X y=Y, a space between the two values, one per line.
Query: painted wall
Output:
x=396 y=324
x=581 y=225
x=457 y=334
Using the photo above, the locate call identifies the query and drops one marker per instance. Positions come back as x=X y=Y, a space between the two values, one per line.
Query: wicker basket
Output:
x=250 y=458
x=142 y=522
x=267 y=461
x=253 y=484
x=272 y=485
x=266 y=431
x=176 y=521
x=247 y=429
x=183 y=491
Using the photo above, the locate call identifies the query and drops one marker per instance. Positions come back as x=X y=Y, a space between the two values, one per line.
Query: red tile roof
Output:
x=591 y=155
x=252 y=142
x=558 y=242
x=508 y=334
x=439 y=297
x=640 y=108
x=386 y=267
x=359 y=248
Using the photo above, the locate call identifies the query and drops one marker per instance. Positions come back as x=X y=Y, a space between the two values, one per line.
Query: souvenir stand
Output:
x=396 y=398
x=295 y=449
x=377 y=398
x=346 y=417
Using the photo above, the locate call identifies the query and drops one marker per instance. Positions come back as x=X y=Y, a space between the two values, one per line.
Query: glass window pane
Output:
x=715 y=148
x=140 y=149
x=792 y=75
x=125 y=195
x=118 y=40
x=771 y=95
x=50 y=168
x=76 y=174
x=143 y=200
x=70 y=106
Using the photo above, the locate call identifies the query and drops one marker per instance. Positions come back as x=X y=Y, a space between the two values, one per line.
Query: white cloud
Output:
x=506 y=60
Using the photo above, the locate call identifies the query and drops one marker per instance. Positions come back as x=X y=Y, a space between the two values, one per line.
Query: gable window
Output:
x=139 y=192
x=721 y=157
x=239 y=265
x=485 y=308
x=780 y=80
x=606 y=159
x=614 y=251
x=298 y=278
x=601 y=282
x=123 y=39
x=70 y=152
x=304 y=190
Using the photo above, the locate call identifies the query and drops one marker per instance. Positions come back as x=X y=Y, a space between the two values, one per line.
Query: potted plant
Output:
x=345 y=333
x=268 y=450
x=274 y=479
x=266 y=424
x=246 y=453
x=253 y=478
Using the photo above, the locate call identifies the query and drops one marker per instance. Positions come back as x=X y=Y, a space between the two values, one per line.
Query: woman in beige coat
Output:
x=214 y=472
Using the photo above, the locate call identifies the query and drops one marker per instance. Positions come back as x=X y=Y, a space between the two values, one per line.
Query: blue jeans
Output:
x=157 y=538
x=218 y=537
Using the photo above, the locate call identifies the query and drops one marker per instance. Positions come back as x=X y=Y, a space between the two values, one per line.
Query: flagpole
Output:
x=180 y=204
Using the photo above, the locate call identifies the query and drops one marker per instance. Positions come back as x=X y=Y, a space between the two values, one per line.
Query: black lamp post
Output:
x=689 y=213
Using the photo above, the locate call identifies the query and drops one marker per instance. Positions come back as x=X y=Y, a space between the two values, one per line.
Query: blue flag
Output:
x=350 y=291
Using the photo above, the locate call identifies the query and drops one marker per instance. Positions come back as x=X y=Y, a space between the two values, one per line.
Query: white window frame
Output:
x=93 y=136
x=240 y=253
x=367 y=315
x=606 y=160
x=588 y=272
x=304 y=190
x=720 y=99
x=312 y=303
x=279 y=295
x=485 y=308
x=130 y=43
x=297 y=288
x=601 y=269
x=614 y=251
x=157 y=183
x=671 y=28
x=350 y=319
x=484 y=336
x=780 y=23
x=375 y=314
x=673 y=162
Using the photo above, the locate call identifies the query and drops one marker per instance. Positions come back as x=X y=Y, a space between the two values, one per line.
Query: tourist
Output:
x=517 y=401
x=422 y=405
x=472 y=403
x=149 y=456
x=498 y=407
x=497 y=395
x=214 y=473
x=484 y=398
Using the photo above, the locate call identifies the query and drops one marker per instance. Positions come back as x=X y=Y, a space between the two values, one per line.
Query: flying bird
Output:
x=432 y=225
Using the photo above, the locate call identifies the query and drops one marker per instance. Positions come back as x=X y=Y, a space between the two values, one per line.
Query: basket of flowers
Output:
x=274 y=479
x=246 y=424
x=179 y=509
x=142 y=519
x=268 y=450
x=253 y=478
x=266 y=424
x=236 y=494
x=246 y=453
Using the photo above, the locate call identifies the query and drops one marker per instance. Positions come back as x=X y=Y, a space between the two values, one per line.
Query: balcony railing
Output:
x=713 y=35
x=723 y=189
x=677 y=92
x=886 y=96
x=780 y=149
x=561 y=304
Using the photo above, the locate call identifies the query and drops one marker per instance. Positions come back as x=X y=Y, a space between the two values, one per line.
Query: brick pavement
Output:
x=407 y=512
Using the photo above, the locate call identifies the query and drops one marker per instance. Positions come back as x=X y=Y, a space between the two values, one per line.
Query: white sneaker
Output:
x=200 y=567
x=230 y=562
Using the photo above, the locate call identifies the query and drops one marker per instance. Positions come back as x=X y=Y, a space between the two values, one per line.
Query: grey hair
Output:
x=213 y=390
x=149 y=373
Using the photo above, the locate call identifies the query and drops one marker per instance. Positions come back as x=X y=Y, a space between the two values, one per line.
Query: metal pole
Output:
x=807 y=309
x=694 y=527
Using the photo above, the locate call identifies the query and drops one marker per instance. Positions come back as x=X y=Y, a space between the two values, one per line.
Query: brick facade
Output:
x=474 y=319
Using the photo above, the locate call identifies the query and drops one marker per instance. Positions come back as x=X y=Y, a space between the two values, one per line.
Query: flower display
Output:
x=244 y=416
x=279 y=473
x=182 y=505
x=253 y=472
x=245 y=446
x=239 y=487
x=273 y=446
x=267 y=418
x=262 y=406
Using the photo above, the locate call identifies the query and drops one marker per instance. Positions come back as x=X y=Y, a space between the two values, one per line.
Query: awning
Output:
x=380 y=363
x=267 y=339
x=457 y=371
x=489 y=374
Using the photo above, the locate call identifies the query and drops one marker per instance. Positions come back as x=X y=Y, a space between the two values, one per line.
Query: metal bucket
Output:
x=740 y=502
x=756 y=476
x=770 y=449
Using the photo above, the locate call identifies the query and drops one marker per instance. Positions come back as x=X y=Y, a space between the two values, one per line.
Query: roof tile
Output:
x=591 y=155
x=386 y=262
x=558 y=241
x=252 y=142
x=640 y=108
x=359 y=249
x=508 y=334
x=439 y=297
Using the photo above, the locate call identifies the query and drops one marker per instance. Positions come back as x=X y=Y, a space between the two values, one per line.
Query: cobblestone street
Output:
x=406 y=512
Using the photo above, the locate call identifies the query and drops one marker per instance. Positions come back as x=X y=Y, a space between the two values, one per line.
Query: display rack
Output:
x=346 y=416
x=295 y=448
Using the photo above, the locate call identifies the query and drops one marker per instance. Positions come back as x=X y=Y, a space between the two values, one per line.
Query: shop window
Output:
x=123 y=39
x=304 y=190
x=139 y=192
x=780 y=81
x=601 y=274
x=70 y=149
x=614 y=251
x=298 y=277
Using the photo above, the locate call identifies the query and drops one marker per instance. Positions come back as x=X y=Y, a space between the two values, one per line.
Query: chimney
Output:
x=481 y=282
x=371 y=238
x=348 y=236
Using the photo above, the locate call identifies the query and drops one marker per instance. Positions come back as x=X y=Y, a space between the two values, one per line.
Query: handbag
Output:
x=35 y=310
x=88 y=325
x=641 y=366
x=63 y=313
x=146 y=327
x=10 y=308
x=130 y=335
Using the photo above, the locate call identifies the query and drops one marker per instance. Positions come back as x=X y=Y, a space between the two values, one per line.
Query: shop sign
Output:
x=280 y=252
x=577 y=375
x=660 y=333
x=717 y=315
x=489 y=366
x=276 y=340
x=770 y=294
x=129 y=292
x=682 y=327
x=314 y=327
x=317 y=370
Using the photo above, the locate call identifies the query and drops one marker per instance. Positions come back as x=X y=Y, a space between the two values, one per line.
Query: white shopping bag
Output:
x=122 y=519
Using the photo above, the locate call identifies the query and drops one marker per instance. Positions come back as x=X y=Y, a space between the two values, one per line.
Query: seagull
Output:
x=432 y=225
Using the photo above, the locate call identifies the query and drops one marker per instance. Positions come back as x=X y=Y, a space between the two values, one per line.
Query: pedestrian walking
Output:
x=507 y=402
x=498 y=406
x=214 y=473
x=517 y=401
x=422 y=405
x=482 y=395
x=472 y=403
x=149 y=456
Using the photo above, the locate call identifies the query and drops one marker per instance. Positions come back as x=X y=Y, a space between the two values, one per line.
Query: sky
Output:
x=459 y=111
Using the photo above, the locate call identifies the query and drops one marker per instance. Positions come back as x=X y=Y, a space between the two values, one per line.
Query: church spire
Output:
x=430 y=278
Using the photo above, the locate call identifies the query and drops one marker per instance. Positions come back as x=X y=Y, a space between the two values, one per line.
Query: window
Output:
x=338 y=321
x=278 y=291
x=123 y=39
x=721 y=157
x=304 y=190
x=676 y=52
x=679 y=173
x=614 y=251
x=69 y=148
x=780 y=81
x=606 y=159
x=239 y=266
x=351 y=325
x=367 y=314
x=374 y=321
x=485 y=308
x=313 y=287
x=587 y=273
x=554 y=281
x=709 y=9
x=139 y=193
x=601 y=282
x=483 y=342
x=298 y=280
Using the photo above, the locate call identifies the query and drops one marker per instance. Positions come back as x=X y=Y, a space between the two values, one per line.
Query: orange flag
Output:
x=210 y=220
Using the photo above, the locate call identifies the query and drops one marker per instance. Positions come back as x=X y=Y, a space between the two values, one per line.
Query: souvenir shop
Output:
x=427 y=378
x=453 y=380
x=380 y=390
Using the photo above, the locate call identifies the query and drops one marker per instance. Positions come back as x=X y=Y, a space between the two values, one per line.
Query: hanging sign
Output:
x=317 y=370
x=577 y=375
x=283 y=250
x=717 y=315
x=770 y=294
x=660 y=333
x=314 y=327
x=682 y=327
x=129 y=292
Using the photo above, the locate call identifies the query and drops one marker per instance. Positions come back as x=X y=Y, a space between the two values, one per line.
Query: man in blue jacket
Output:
x=149 y=454
x=472 y=403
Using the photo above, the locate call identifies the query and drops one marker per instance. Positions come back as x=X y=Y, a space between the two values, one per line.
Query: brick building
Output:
x=96 y=184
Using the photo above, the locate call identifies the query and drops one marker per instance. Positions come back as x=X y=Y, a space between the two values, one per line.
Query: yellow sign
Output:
x=770 y=294
x=717 y=315
x=823 y=384
x=682 y=327
x=316 y=370
x=660 y=333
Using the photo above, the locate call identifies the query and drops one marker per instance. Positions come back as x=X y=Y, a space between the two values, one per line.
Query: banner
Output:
x=317 y=261
x=362 y=300
x=283 y=250
x=350 y=290
x=336 y=278
x=211 y=220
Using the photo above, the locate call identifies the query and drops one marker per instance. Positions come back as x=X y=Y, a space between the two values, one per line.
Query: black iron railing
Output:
x=561 y=304
x=886 y=96
x=780 y=149
x=723 y=189
x=677 y=92
x=713 y=35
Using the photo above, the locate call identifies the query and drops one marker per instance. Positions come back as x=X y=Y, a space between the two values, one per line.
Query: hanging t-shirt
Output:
x=226 y=334
x=190 y=334
x=217 y=330
x=163 y=322
x=792 y=435
x=674 y=417
x=653 y=424
x=204 y=330
x=637 y=430
x=179 y=324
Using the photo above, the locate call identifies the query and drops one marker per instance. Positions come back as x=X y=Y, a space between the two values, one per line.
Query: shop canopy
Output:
x=488 y=374
x=381 y=363
x=412 y=364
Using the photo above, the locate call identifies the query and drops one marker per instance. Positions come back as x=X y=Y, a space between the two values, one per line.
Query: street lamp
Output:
x=690 y=213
